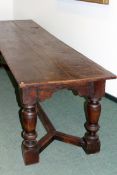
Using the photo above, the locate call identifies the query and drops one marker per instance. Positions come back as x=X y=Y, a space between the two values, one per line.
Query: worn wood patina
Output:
x=41 y=65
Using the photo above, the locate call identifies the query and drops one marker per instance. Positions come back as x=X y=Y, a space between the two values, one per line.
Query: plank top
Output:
x=34 y=56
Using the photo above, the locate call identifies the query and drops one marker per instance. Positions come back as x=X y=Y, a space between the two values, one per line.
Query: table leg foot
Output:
x=91 y=146
x=30 y=155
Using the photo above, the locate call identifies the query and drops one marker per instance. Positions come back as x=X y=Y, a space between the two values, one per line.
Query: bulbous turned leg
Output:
x=91 y=142
x=30 y=148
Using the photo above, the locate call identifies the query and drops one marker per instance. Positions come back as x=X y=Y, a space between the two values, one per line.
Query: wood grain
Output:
x=36 y=57
x=41 y=65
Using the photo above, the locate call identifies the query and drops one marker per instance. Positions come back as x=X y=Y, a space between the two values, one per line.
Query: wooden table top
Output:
x=36 y=57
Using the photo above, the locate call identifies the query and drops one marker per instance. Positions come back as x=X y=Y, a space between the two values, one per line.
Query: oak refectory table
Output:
x=41 y=65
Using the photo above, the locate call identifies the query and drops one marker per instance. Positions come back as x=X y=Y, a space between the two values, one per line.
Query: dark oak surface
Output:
x=41 y=65
x=36 y=57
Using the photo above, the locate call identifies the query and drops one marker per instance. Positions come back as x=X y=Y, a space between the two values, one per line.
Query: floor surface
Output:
x=66 y=112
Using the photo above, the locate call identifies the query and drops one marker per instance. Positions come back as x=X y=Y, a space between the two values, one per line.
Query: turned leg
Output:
x=30 y=148
x=91 y=140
